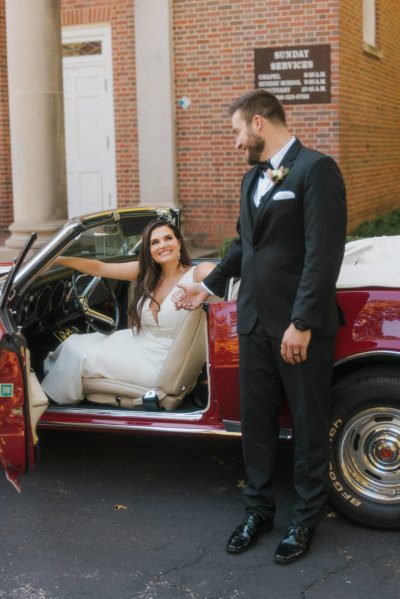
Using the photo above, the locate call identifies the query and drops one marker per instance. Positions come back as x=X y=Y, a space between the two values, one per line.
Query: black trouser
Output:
x=265 y=379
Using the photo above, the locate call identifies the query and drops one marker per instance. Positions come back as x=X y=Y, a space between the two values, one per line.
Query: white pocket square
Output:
x=284 y=195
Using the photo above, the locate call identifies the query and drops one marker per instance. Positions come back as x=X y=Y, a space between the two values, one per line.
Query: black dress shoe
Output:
x=294 y=545
x=247 y=533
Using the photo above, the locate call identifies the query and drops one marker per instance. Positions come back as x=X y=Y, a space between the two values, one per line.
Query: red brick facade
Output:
x=214 y=63
x=370 y=111
x=214 y=42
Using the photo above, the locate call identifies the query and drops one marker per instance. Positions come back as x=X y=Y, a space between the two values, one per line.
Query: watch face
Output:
x=300 y=325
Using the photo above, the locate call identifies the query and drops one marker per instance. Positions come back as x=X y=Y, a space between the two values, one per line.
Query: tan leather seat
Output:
x=177 y=377
x=38 y=400
x=233 y=288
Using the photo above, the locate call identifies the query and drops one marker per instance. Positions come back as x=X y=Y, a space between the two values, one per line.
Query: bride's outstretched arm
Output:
x=125 y=271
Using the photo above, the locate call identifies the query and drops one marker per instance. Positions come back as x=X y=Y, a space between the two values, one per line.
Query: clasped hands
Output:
x=189 y=296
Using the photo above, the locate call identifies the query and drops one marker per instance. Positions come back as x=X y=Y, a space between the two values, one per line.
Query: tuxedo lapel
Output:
x=247 y=198
x=291 y=154
x=287 y=162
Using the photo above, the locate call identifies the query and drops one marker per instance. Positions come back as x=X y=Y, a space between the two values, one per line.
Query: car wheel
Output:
x=365 y=447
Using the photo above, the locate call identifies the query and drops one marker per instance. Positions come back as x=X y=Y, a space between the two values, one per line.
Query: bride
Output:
x=133 y=355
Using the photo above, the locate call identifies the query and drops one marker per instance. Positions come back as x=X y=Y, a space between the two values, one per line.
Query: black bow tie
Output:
x=263 y=167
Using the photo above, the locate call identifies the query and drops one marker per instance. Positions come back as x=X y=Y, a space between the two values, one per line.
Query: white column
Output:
x=36 y=119
x=155 y=101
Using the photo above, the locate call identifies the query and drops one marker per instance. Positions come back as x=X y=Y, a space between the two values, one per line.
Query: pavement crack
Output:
x=323 y=578
x=159 y=583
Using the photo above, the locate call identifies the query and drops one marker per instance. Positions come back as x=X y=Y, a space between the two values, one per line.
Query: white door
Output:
x=89 y=120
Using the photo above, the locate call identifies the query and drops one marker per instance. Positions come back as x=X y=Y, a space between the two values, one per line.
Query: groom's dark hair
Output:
x=259 y=102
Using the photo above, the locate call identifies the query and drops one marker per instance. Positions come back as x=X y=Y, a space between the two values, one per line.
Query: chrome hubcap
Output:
x=369 y=453
x=385 y=453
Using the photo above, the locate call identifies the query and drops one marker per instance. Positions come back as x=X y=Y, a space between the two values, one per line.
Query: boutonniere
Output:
x=277 y=174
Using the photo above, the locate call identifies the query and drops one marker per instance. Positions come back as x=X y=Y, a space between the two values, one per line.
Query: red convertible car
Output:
x=197 y=392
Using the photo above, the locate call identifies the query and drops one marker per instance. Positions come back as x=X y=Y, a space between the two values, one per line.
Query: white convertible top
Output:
x=371 y=262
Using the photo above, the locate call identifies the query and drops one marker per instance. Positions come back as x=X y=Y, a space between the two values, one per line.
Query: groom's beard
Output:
x=255 y=147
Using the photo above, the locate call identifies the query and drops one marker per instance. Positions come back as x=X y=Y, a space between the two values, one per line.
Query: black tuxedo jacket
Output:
x=290 y=249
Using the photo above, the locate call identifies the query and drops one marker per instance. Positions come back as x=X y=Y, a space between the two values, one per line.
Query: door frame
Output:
x=102 y=32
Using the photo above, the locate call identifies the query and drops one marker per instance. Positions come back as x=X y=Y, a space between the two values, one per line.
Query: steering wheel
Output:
x=90 y=291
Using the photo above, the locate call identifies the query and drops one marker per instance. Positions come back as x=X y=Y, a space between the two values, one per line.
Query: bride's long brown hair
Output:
x=150 y=271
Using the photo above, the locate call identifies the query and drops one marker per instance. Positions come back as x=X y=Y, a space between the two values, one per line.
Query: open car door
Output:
x=21 y=402
x=21 y=405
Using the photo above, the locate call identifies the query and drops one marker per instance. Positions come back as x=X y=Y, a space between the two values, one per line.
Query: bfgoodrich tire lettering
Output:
x=365 y=447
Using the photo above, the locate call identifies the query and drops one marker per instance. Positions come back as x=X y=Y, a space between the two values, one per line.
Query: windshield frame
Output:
x=66 y=236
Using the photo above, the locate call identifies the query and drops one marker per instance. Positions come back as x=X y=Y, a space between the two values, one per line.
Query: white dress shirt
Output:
x=264 y=184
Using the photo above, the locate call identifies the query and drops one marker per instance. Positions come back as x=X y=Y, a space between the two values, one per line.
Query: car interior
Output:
x=50 y=312
x=61 y=302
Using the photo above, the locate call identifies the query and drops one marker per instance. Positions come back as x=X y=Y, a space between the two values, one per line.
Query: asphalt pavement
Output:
x=146 y=517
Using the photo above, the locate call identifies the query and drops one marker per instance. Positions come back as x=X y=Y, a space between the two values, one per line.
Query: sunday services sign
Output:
x=295 y=74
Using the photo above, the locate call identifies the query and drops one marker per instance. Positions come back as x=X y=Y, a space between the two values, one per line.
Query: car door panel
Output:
x=224 y=358
x=16 y=441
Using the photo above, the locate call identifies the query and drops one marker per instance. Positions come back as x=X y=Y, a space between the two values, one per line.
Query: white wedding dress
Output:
x=123 y=355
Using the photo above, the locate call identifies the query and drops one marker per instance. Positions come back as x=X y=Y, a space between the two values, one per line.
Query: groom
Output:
x=291 y=235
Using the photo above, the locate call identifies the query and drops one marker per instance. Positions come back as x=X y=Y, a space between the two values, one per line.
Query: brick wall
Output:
x=6 y=208
x=214 y=62
x=119 y=13
x=370 y=111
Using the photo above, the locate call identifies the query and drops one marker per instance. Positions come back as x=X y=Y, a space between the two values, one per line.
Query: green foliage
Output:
x=226 y=244
x=385 y=224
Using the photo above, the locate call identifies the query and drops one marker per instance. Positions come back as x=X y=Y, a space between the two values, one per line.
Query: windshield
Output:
x=112 y=234
x=102 y=242
x=112 y=239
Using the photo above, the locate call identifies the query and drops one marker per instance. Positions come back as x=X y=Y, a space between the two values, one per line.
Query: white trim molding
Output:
x=155 y=102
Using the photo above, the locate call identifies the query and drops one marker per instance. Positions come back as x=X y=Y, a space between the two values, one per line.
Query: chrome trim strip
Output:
x=286 y=434
x=232 y=426
x=368 y=354
x=192 y=416
x=120 y=427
